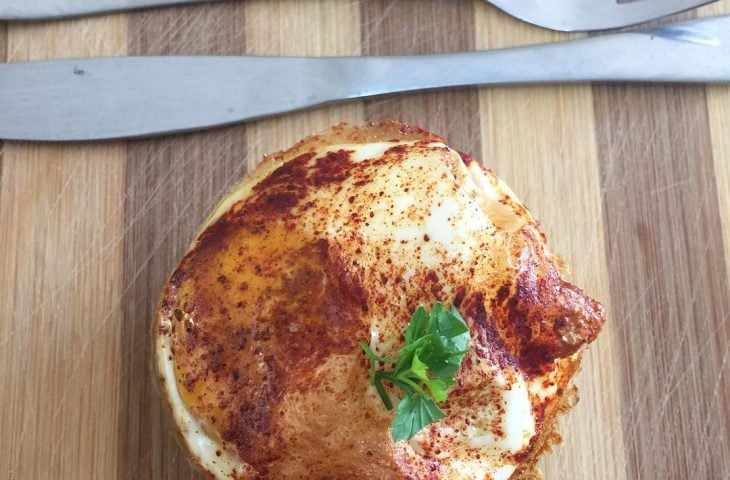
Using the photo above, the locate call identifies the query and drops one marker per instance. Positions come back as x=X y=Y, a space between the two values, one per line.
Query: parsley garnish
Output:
x=434 y=349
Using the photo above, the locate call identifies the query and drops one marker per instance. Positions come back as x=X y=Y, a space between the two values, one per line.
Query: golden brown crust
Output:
x=369 y=133
x=238 y=374
x=343 y=133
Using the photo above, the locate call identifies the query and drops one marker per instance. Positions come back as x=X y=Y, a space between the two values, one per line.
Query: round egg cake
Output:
x=336 y=242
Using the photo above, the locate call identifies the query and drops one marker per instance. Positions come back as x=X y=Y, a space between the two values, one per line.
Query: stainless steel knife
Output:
x=104 y=98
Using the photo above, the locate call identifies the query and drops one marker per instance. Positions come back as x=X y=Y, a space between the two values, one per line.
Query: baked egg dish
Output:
x=335 y=243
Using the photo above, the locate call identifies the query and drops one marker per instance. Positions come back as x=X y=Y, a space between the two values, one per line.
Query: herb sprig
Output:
x=435 y=345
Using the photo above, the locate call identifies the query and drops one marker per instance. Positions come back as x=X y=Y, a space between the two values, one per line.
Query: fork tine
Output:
x=583 y=15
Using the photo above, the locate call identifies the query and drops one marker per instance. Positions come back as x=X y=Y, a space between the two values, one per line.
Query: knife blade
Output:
x=105 y=98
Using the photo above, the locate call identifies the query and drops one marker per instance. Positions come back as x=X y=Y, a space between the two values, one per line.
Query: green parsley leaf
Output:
x=413 y=413
x=435 y=345
x=419 y=325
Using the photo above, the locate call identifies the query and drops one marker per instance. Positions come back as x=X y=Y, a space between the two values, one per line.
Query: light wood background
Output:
x=632 y=184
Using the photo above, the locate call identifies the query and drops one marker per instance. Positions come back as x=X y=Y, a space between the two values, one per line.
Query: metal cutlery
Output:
x=566 y=15
x=103 y=98
x=588 y=15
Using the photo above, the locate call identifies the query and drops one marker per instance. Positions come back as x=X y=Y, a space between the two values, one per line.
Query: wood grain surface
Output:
x=631 y=183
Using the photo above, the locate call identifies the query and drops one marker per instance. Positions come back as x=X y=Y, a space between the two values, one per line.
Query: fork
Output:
x=588 y=15
x=565 y=15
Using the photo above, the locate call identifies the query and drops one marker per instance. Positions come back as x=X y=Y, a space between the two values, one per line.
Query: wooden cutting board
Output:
x=632 y=184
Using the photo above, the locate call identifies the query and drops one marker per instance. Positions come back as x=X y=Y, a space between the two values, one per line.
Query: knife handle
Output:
x=686 y=52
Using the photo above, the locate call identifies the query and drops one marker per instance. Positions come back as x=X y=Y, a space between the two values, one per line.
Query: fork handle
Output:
x=23 y=10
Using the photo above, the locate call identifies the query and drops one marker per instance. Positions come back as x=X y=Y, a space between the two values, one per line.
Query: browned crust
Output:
x=371 y=132
x=341 y=133
x=378 y=132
